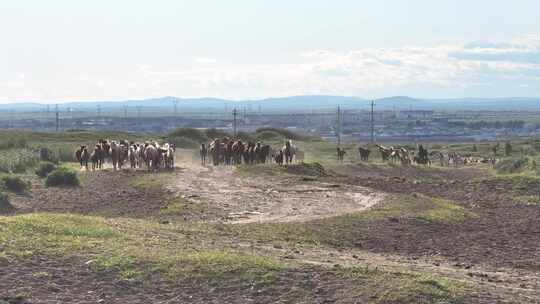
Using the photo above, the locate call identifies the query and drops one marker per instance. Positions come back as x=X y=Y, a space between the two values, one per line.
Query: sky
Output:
x=74 y=50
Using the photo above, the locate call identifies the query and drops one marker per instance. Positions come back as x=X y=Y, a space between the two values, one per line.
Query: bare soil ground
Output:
x=267 y=199
x=103 y=193
x=504 y=232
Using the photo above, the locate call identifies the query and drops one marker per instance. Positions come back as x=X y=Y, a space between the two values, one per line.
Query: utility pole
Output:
x=57 y=114
x=235 y=113
x=372 y=122
x=338 y=127
x=175 y=104
x=125 y=116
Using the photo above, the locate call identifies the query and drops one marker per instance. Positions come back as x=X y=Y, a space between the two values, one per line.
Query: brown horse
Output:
x=364 y=153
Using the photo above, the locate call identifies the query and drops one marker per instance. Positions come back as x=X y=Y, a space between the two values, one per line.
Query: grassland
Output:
x=439 y=236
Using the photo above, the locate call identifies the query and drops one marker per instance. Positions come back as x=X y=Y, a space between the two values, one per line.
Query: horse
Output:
x=96 y=157
x=288 y=151
x=341 y=154
x=152 y=157
x=203 y=151
x=385 y=152
x=364 y=153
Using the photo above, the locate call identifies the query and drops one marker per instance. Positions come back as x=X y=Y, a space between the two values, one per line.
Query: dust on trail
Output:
x=268 y=199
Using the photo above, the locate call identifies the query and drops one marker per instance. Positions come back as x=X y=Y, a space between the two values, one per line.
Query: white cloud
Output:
x=206 y=60
x=485 y=68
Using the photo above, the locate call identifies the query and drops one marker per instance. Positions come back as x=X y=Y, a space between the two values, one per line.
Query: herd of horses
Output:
x=151 y=155
x=235 y=152
x=225 y=151
x=421 y=156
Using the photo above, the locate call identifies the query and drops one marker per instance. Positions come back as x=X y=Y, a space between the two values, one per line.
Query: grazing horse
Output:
x=133 y=156
x=96 y=157
x=115 y=154
x=423 y=156
x=289 y=151
x=204 y=153
x=169 y=156
x=364 y=153
x=238 y=151
x=82 y=156
x=78 y=154
x=279 y=158
x=385 y=152
x=341 y=154
x=215 y=149
x=152 y=157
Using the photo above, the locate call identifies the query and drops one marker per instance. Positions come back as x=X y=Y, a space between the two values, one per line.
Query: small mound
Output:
x=309 y=169
x=5 y=205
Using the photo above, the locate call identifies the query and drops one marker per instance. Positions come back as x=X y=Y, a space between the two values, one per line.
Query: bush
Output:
x=45 y=168
x=512 y=165
x=45 y=154
x=216 y=133
x=245 y=137
x=268 y=135
x=5 y=205
x=283 y=132
x=192 y=134
x=15 y=184
x=62 y=177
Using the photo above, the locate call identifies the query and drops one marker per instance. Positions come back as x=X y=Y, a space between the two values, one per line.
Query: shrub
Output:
x=193 y=134
x=512 y=165
x=45 y=154
x=245 y=137
x=215 y=133
x=283 y=132
x=45 y=168
x=62 y=177
x=5 y=205
x=268 y=135
x=15 y=184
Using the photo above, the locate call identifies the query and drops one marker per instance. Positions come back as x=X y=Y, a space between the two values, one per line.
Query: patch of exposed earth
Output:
x=263 y=199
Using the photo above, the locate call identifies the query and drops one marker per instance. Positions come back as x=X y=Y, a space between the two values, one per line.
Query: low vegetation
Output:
x=62 y=177
x=5 y=205
x=45 y=168
x=512 y=165
x=15 y=184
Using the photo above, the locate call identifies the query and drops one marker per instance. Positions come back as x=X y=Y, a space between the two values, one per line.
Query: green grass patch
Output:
x=406 y=287
x=180 y=206
x=527 y=199
x=149 y=182
x=125 y=247
x=445 y=211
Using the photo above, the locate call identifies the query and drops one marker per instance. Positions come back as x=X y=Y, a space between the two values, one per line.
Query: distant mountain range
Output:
x=292 y=103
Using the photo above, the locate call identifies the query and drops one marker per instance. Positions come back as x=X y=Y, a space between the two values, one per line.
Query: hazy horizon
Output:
x=60 y=51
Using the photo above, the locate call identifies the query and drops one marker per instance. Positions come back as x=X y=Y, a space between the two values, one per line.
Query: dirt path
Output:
x=269 y=199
